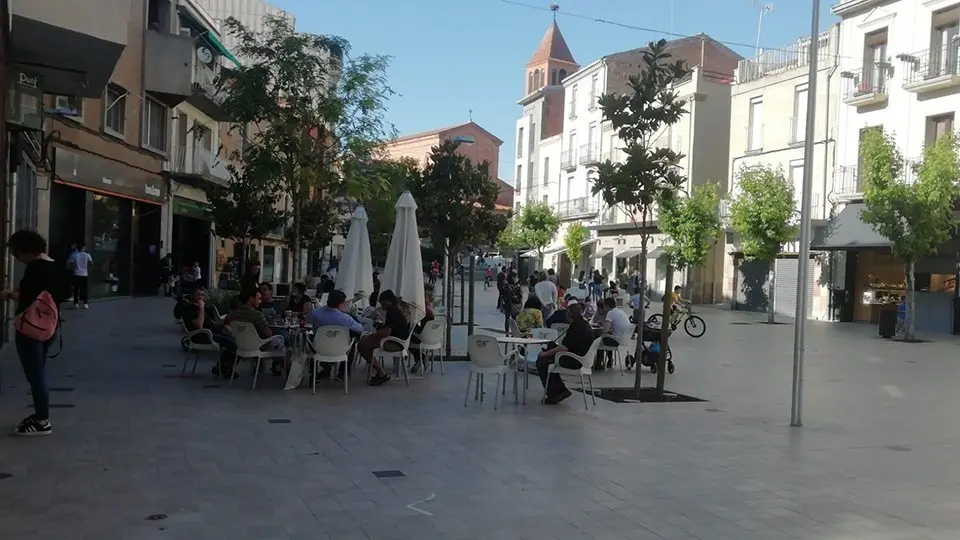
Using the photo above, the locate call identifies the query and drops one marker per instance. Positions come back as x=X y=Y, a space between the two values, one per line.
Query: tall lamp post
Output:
x=803 y=269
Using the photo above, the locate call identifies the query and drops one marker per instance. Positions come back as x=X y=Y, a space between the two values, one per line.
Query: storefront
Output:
x=115 y=210
x=191 y=236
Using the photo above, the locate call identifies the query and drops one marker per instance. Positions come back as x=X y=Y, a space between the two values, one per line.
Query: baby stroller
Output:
x=650 y=355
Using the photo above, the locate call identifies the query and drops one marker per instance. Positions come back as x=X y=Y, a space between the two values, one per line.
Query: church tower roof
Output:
x=552 y=47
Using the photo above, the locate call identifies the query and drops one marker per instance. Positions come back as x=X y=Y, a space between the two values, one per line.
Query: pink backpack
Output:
x=39 y=321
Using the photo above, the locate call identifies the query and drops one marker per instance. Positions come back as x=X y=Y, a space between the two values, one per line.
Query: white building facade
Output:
x=768 y=113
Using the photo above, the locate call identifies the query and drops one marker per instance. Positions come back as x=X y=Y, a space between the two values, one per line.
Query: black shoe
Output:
x=378 y=380
x=31 y=427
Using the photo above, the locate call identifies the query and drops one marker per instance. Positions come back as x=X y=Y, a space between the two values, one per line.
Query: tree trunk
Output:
x=772 y=293
x=909 y=323
x=665 y=330
x=295 y=248
x=641 y=317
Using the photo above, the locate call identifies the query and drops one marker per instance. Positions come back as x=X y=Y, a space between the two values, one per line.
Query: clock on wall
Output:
x=204 y=55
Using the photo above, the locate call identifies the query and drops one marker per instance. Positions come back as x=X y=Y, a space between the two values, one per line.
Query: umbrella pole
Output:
x=473 y=261
x=447 y=294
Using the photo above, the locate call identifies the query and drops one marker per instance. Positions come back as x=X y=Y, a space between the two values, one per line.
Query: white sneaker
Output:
x=76 y=306
x=86 y=306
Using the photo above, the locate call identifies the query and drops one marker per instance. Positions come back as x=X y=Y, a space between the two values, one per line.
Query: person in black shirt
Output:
x=512 y=300
x=251 y=278
x=577 y=340
x=395 y=324
x=560 y=315
x=300 y=304
x=42 y=274
x=501 y=286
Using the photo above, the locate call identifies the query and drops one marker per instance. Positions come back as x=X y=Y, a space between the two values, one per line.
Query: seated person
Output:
x=615 y=329
x=300 y=304
x=198 y=314
x=577 y=340
x=268 y=306
x=427 y=317
x=370 y=312
x=531 y=317
x=560 y=315
x=395 y=325
x=248 y=312
x=328 y=286
x=333 y=314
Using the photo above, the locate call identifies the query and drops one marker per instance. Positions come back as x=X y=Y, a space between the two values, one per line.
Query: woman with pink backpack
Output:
x=38 y=296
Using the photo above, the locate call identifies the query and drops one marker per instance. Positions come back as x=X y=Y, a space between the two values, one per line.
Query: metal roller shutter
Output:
x=752 y=286
x=786 y=287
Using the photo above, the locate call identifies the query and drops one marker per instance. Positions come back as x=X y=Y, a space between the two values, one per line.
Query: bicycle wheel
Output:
x=694 y=326
x=656 y=319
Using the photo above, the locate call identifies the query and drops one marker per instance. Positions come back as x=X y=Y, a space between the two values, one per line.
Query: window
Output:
x=594 y=83
x=937 y=127
x=115 y=110
x=591 y=135
x=155 y=121
x=516 y=179
x=799 y=127
x=530 y=83
x=569 y=187
x=544 y=199
x=553 y=77
x=516 y=208
x=796 y=178
x=520 y=143
x=563 y=75
x=533 y=139
x=546 y=170
x=573 y=102
x=874 y=53
x=69 y=106
x=943 y=47
x=755 y=126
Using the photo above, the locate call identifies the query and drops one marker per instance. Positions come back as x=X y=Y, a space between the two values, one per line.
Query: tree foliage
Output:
x=391 y=178
x=573 y=240
x=456 y=200
x=647 y=172
x=692 y=223
x=916 y=217
x=244 y=209
x=538 y=224
x=763 y=212
x=314 y=112
x=512 y=235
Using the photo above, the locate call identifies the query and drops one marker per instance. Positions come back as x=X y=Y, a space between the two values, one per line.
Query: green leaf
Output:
x=692 y=224
x=763 y=212
x=576 y=235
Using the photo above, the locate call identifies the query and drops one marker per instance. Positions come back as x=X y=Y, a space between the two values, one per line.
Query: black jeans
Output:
x=554 y=384
x=33 y=358
x=80 y=289
x=608 y=341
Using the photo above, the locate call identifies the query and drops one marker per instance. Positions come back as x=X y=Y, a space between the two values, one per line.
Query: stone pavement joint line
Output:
x=865 y=466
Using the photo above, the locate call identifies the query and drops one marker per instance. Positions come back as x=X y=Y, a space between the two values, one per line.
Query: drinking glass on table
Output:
x=287 y=317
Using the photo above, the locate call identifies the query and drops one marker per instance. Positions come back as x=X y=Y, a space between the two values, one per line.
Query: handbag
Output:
x=40 y=320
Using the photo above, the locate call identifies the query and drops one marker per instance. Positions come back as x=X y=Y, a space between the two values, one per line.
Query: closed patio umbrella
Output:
x=403 y=271
x=356 y=265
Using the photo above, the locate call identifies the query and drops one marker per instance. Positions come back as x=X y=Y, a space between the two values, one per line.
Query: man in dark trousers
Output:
x=501 y=286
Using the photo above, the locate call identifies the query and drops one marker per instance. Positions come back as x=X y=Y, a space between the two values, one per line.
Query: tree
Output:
x=692 y=225
x=456 y=203
x=315 y=111
x=320 y=220
x=538 y=225
x=512 y=235
x=763 y=213
x=915 y=217
x=648 y=172
x=245 y=209
x=576 y=235
x=391 y=179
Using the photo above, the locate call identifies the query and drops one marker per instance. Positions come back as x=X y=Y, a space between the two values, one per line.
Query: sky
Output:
x=451 y=57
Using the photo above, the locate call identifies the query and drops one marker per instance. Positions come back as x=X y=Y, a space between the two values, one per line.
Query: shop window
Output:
x=269 y=263
x=155 y=125
x=69 y=106
x=115 y=110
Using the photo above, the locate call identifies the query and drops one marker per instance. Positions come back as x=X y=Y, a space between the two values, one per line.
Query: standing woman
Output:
x=42 y=274
x=251 y=278
x=512 y=300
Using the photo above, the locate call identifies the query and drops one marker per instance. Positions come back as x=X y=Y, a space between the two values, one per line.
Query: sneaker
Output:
x=86 y=306
x=378 y=380
x=76 y=306
x=554 y=399
x=31 y=427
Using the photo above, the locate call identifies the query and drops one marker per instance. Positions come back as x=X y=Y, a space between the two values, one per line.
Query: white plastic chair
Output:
x=560 y=327
x=431 y=342
x=533 y=354
x=188 y=345
x=514 y=328
x=330 y=345
x=485 y=358
x=585 y=371
x=248 y=346
x=399 y=358
x=615 y=349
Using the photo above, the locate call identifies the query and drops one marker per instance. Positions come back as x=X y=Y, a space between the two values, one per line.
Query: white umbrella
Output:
x=356 y=264
x=403 y=272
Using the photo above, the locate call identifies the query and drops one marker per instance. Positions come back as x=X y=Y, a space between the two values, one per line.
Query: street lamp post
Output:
x=803 y=268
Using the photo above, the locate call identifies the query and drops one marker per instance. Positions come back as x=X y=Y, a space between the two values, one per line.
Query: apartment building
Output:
x=556 y=164
x=899 y=72
x=252 y=13
x=768 y=113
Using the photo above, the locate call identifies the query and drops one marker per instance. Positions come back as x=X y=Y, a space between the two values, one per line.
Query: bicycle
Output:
x=693 y=325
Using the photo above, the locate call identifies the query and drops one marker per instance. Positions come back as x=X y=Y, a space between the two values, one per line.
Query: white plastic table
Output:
x=513 y=343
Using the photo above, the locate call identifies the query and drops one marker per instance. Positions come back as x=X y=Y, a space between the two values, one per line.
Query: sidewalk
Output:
x=876 y=459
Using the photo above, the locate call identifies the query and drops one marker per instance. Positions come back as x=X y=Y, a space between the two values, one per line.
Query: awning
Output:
x=221 y=48
x=847 y=231
x=657 y=253
x=551 y=251
x=588 y=242
x=601 y=253
x=629 y=253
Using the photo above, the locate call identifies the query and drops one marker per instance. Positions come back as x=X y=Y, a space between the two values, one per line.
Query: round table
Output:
x=514 y=342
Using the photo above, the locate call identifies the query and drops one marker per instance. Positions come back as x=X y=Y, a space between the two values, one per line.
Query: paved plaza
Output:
x=875 y=461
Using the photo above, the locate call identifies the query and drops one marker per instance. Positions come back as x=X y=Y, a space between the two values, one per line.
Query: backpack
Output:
x=40 y=320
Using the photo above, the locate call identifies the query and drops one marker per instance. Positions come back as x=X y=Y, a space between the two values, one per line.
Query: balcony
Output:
x=589 y=154
x=846 y=182
x=568 y=160
x=724 y=212
x=867 y=86
x=197 y=164
x=932 y=69
x=206 y=93
x=167 y=75
x=72 y=47
x=584 y=207
x=615 y=155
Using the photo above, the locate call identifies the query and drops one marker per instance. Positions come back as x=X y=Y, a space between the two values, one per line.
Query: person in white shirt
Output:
x=548 y=294
x=79 y=262
x=616 y=328
x=197 y=276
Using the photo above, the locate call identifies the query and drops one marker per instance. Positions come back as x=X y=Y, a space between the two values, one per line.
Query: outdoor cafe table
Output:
x=513 y=343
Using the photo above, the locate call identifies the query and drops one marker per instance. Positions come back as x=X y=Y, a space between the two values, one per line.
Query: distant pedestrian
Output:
x=79 y=264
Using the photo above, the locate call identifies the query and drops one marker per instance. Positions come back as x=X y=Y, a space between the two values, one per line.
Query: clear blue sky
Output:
x=451 y=56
